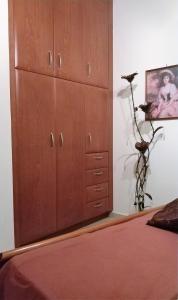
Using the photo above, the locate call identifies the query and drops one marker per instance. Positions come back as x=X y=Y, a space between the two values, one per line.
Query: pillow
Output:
x=167 y=218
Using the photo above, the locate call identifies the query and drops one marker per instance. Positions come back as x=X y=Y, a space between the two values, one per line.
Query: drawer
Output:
x=96 y=192
x=96 y=208
x=96 y=176
x=96 y=160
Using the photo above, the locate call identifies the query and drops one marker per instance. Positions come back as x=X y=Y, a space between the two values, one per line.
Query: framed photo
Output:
x=162 y=93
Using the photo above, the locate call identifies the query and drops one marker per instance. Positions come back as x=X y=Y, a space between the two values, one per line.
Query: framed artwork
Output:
x=161 y=93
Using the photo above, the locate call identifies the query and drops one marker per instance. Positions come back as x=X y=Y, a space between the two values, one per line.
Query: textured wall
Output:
x=145 y=34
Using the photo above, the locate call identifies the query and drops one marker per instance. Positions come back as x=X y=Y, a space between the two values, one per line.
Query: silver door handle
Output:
x=61 y=139
x=89 y=69
x=52 y=139
x=90 y=138
x=59 y=60
x=50 y=58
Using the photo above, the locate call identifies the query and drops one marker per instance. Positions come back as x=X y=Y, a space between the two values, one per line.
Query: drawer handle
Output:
x=99 y=189
x=99 y=157
x=98 y=173
x=98 y=205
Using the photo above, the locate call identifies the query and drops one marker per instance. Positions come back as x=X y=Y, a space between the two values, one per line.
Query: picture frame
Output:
x=161 y=93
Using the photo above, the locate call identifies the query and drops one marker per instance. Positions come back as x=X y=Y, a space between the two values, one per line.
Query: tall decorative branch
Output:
x=143 y=148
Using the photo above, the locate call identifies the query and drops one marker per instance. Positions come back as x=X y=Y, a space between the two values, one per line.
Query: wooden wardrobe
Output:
x=61 y=104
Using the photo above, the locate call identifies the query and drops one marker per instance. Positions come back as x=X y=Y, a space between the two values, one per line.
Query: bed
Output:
x=125 y=261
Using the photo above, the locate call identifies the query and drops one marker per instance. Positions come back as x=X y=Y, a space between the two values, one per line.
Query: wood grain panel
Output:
x=96 y=160
x=68 y=40
x=82 y=35
x=36 y=159
x=110 y=66
x=70 y=153
x=33 y=34
x=96 y=41
x=97 y=119
x=96 y=176
x=95 y=208
x=96 y=192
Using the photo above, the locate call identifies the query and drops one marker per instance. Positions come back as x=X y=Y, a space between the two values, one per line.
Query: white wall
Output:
x=6 y=209
x=145 y=37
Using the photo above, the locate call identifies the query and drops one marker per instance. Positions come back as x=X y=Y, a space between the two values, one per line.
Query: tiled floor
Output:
x=110 y=217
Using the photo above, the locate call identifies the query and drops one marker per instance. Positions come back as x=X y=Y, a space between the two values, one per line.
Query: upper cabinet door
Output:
x=96 y=41
x=35 y=157
x=97 y=118
x=81 y=40
x=33 y=32
x=68 y=40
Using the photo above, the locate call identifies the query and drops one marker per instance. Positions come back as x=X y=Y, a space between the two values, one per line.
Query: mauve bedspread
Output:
x=129 y=261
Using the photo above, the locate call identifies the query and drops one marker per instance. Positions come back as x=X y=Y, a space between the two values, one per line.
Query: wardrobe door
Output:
x=68 y=40
x=35 y=158
x=97 y=119
x=69 y=133
x=33 y=33
x=96 y=41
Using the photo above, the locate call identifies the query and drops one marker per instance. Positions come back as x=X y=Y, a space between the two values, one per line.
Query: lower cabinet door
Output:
x=70 y=153
x=34 y=158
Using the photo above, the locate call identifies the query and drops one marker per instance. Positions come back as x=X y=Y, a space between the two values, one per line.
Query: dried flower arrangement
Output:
x=144 y=150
